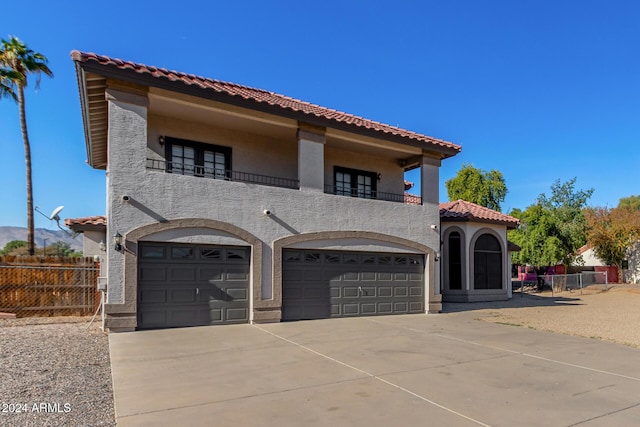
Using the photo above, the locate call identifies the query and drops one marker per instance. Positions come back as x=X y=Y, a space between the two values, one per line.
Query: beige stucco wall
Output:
x=251 y=153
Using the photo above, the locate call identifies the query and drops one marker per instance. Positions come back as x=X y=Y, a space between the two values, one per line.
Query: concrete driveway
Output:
x=436 y=370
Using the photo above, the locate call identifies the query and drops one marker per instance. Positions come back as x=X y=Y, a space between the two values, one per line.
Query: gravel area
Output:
x=609 y=315
x=54 y=372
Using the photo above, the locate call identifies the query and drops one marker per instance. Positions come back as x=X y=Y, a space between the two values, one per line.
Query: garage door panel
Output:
x=400 y=291
x=237 y=274
x=200 y=285
x=368 y=291
x=215 y=315
x=350 y=276
x=157 y=273
x=349 y=292
x=350 y=309
x=155 y=317
x=400 y=307
x=312 y=275
x=415 y=291
x=237 y=294
x=238 y=314
x=368 y=308
x=186 y=274
x=369 y=275
x=182 y=296
x=153 y=296
x=402 y=277
x=385 y=308
x=315 y=292
x=385 y=291
x=207 y=274
x=383 y=276
x=415 y=307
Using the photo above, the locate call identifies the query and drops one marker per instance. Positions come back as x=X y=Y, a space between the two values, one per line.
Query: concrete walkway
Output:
x=437 y=370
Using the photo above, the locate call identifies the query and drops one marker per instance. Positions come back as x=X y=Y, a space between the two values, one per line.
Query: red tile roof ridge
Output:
x=464 y=209
x=273 y=98
x=88 y=220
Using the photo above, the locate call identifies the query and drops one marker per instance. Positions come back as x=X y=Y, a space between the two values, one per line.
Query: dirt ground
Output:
x=610 y=315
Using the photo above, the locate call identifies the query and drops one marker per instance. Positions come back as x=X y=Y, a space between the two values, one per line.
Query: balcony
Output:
x=227 y=175
x=365 y=194
x=294 y=184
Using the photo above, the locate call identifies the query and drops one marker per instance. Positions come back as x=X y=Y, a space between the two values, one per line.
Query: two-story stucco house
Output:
x=233 y=204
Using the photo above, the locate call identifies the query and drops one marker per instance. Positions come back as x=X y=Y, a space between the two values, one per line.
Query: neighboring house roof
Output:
x=88 y=223
x=95 y=113
x=512 y=247
x=461 y=210
x=583 y=249
x=412 y=199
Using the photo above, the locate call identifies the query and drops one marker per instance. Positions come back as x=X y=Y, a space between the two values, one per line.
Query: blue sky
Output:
x=539 y=90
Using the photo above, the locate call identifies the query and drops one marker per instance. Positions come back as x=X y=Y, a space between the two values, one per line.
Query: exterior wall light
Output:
x=102 y=246
x=117 y=242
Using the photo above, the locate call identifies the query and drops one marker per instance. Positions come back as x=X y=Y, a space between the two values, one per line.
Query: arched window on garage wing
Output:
x=487 y=263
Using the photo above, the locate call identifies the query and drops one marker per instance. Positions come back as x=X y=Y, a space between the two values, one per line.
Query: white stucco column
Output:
x=311 y=142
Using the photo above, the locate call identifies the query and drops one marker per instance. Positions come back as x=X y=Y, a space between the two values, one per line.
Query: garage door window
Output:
x=211 y=253
x=152 y=252
x=181 y=253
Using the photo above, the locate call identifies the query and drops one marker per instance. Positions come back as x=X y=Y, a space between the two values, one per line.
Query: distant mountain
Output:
x=8 y=234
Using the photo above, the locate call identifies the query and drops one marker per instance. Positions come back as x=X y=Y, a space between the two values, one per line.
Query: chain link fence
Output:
x=51 y=286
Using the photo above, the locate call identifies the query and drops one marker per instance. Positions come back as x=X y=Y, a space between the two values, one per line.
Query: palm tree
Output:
x=19 y=61
x=7 y=77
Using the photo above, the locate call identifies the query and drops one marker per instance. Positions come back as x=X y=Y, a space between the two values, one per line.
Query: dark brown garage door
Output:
x=321 y=284
x=192 y=285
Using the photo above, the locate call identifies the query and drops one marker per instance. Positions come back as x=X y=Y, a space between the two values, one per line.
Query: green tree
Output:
x=631 y=202
x=19 y=61
x=61 y=249
x=612 y=232
x=11 y=246
x=554 y=228
x=485 y=188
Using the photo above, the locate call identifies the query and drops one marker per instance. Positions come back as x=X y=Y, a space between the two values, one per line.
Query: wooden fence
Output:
x=48 y=286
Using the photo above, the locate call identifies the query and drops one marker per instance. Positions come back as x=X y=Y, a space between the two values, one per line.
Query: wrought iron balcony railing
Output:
x=364 y=193
x=228 y=175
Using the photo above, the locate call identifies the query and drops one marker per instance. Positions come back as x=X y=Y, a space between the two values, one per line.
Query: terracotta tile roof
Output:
x=412 y=199
x=258 y=96
x=461 y=210
x=583 y=249
x=98 y=220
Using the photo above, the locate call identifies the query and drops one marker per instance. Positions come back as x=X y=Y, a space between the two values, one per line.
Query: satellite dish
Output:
x=55 y=214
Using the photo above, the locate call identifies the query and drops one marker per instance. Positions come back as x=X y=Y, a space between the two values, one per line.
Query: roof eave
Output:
x=131 y=76
x=510 y=225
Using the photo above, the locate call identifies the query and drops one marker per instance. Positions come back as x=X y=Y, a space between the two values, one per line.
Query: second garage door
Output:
x=321 y=284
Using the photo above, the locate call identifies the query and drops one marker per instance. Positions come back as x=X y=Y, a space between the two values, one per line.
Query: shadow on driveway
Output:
x=517 y=301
